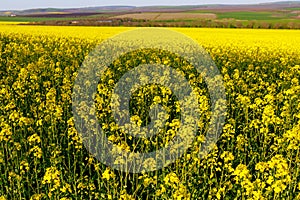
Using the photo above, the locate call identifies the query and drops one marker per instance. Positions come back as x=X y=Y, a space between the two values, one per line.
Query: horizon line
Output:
x=179 y=5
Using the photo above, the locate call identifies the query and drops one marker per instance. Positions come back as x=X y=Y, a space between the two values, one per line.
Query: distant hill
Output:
x=69 y=10
x=132 y=9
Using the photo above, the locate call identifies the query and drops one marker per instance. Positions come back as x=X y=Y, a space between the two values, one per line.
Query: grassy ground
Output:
x=247 y=15
x=40 y=19
x=296 y=8
x=31 y=19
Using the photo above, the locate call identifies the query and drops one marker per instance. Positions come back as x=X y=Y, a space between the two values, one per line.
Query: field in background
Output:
x=31 y=19
x=41 y=153
x=280 y=15
x=221 y=37
x=167 y=16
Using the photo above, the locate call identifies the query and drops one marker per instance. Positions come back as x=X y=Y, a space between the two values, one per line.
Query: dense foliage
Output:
x=256 y=157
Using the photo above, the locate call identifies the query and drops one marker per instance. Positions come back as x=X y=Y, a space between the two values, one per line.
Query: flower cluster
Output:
x=42 y=154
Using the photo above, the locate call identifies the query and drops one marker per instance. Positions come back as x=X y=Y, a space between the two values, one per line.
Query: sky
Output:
x=27 y=4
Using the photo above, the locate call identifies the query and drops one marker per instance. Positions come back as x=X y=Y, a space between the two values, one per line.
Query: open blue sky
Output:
x=26 y=4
